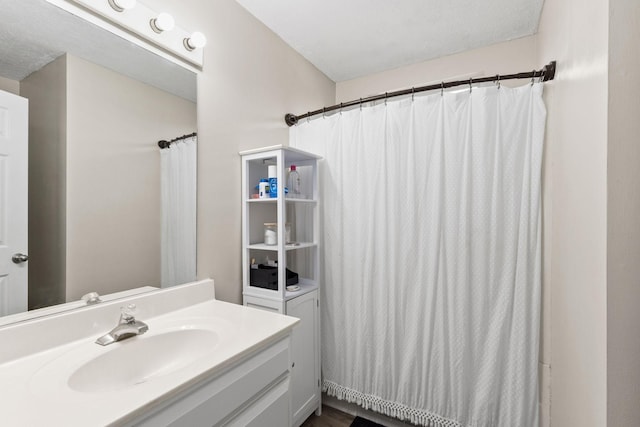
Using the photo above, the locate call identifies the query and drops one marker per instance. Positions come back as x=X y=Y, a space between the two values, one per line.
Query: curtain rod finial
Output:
x=549 y=71
x=290 y=119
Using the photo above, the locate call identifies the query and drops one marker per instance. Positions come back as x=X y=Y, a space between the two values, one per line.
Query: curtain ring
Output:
x=533 y=75
x=341 y=108
x=323 y=113
x=413 y=93
x=498 y=80
x=442 y=89
x=385 y=99
x=470 y=88
x=308 y=116
x=360 y=104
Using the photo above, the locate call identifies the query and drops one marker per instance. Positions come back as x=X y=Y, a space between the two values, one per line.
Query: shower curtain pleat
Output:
x=178 y=165
x=431 y=255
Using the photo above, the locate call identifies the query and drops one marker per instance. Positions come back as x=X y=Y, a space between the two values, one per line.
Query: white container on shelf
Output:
x=271 y=233
x=263 y=189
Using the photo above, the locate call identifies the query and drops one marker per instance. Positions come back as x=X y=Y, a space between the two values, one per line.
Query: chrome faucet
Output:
x=127 y=327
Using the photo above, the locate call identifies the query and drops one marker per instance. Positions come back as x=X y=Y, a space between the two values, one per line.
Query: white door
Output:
x=13 y=203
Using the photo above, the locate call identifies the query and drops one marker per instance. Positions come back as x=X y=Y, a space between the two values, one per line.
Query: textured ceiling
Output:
x=34 y=32
x=346 y=39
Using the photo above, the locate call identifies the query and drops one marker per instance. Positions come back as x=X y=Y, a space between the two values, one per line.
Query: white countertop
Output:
x=35 y=392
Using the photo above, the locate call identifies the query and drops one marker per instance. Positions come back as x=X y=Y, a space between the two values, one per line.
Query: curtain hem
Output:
x=387 y=407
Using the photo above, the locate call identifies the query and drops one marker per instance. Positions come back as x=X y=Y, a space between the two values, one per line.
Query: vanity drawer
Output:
x=271 y=409
x=246 y=387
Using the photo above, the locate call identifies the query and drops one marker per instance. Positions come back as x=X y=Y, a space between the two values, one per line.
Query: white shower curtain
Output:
x=178 y=217
x=431 y=255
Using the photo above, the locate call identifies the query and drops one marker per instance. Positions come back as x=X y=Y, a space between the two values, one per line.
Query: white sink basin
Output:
x=140 y=359
x=170 y=348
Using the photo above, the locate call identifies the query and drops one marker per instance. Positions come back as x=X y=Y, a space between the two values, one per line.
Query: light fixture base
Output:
x=162 y=22
x=197 y=40
x=186 y=44
x=152 y=24
x=115 y=6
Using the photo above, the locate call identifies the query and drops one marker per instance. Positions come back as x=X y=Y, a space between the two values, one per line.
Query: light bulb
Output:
x=122 y=5
x=196 y=41
x=163 y=22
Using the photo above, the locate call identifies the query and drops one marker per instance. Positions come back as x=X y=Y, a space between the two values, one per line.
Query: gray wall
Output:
x=623 y=216
x=576 y=33
x=9 y=85
x=46 y=90
x=251 y=78
x=113 y=177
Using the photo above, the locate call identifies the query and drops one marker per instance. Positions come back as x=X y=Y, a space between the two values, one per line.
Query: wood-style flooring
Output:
x=330 y=418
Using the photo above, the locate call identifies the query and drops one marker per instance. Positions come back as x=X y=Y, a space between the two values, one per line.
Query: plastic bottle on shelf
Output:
x=294 y=183
x=273 y=182
x=263 y=189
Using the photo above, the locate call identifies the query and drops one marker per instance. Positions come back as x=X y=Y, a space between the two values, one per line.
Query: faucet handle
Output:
x=127 y=313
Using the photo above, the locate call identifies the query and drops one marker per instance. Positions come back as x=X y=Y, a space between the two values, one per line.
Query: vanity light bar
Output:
x=149 y=26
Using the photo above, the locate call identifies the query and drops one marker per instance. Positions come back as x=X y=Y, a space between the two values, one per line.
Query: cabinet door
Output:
x=305 y=390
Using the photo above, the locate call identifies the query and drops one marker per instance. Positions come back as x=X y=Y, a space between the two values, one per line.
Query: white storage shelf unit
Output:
x=301 y=254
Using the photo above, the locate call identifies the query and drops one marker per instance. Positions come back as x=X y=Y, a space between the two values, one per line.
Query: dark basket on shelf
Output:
x=266 y=276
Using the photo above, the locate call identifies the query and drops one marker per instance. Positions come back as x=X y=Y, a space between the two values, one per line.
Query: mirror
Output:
x=98 y=105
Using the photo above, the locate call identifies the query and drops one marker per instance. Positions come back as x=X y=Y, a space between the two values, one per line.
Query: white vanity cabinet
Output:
x=202 y=362
x=295 y=250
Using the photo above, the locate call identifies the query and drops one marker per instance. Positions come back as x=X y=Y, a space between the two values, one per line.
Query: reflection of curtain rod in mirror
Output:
x=141 y=25
x=166 y=144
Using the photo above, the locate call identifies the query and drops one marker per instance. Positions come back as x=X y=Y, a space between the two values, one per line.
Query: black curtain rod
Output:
x=166 y=144
x=547 y=73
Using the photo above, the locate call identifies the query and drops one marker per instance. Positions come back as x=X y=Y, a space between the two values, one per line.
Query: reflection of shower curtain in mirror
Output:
x=431 y=251
x=178 y=236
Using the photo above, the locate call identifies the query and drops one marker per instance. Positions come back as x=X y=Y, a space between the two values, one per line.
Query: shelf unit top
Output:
x=305 y=288
x=293 y=154
x=287 y=199
x=273 y=248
